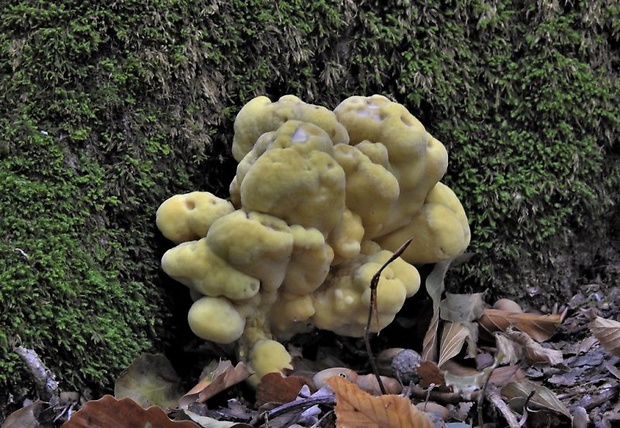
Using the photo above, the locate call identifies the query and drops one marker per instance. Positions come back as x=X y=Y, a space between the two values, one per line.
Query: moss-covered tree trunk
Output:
x=106 y=109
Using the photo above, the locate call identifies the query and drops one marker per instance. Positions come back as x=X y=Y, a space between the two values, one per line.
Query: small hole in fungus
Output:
x=190 y=204
x=406 y=120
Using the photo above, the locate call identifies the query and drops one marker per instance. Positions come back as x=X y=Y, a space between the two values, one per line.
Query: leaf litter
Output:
x=534 y=369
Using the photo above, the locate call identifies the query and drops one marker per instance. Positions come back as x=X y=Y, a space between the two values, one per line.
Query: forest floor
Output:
x=571 y=378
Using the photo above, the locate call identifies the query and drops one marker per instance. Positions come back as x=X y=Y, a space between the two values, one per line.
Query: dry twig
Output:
x=372 y=310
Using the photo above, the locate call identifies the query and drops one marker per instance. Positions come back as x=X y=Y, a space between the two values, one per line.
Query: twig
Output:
x=299 y=404
x=373 y=310
x=492 y=395
x=482 y=395
x=47 y=387
x=442 y=397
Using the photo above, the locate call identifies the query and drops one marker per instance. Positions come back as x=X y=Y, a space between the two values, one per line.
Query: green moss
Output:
x=108 y=109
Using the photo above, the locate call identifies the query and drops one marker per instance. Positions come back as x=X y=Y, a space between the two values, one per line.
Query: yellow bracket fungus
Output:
x=320 y=201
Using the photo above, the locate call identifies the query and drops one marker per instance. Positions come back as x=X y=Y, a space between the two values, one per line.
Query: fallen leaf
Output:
x=26 y=417
x=434 y=287
x=614 y=371
x=370 y=384
x=461 y=308
x=542 y=398
x=539 y=327
x=507 y=351
x=344 y=372
x=453 y=337
x=150 y=380
x=215 y=381
x=430 y=374
x=524 y=345
x=124 y=413
x=608 y=333
x=504 y=375
x=275 y=388
x=468 y=380
x=356 y=408
x=207 y=422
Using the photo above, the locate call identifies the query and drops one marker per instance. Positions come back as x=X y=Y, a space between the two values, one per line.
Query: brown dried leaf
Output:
x=429 y=343
x=275 y=388
x=534 y=353
x=461 y=308
x=452 y=340
x=356 y=408
x=539 y=327
x=222 y=377
x=453 y=337
x=608 y=333
x=125 y=413
x=344 y=372
x=504 y=375
x=434 y=287
x=430 y=374
x=466 y=379
x=150 y=380
x=543 y=398
x=26 y=417
x=370 y=384
x=207 y=422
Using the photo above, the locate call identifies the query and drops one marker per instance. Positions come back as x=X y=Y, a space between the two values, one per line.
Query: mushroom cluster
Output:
x=320 y=201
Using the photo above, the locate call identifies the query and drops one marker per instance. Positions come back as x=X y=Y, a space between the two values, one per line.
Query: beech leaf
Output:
x=215 y=381
x=539 y=327
x=462 y=307
x=150 y=380
x=468 y=382
x=26 y=417
x=124 y=413
x=543 y=398
x=524 y=346
x=275 y=388
x=357 y=408
x=430 y=374
x=452 y=339
x=207 y=422
x=434 y=287
x=608 y=333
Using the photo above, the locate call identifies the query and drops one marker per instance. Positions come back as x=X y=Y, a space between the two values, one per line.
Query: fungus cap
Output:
x=215 y=319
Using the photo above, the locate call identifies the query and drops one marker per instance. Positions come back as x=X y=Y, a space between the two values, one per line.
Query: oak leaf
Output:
x=356 y=408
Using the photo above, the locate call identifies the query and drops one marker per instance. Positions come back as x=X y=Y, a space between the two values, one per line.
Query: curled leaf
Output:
x=539 y=396
x=124 y=413
x=26 y=417
x=453 y=337
x=370 y=384
x=608 y=333
x=275 y=388
x=222 y=377
x=150 y=380
x=462 y=308
x=539 y=327
x=524 y=345
x=434 y=287
x=356 y=408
